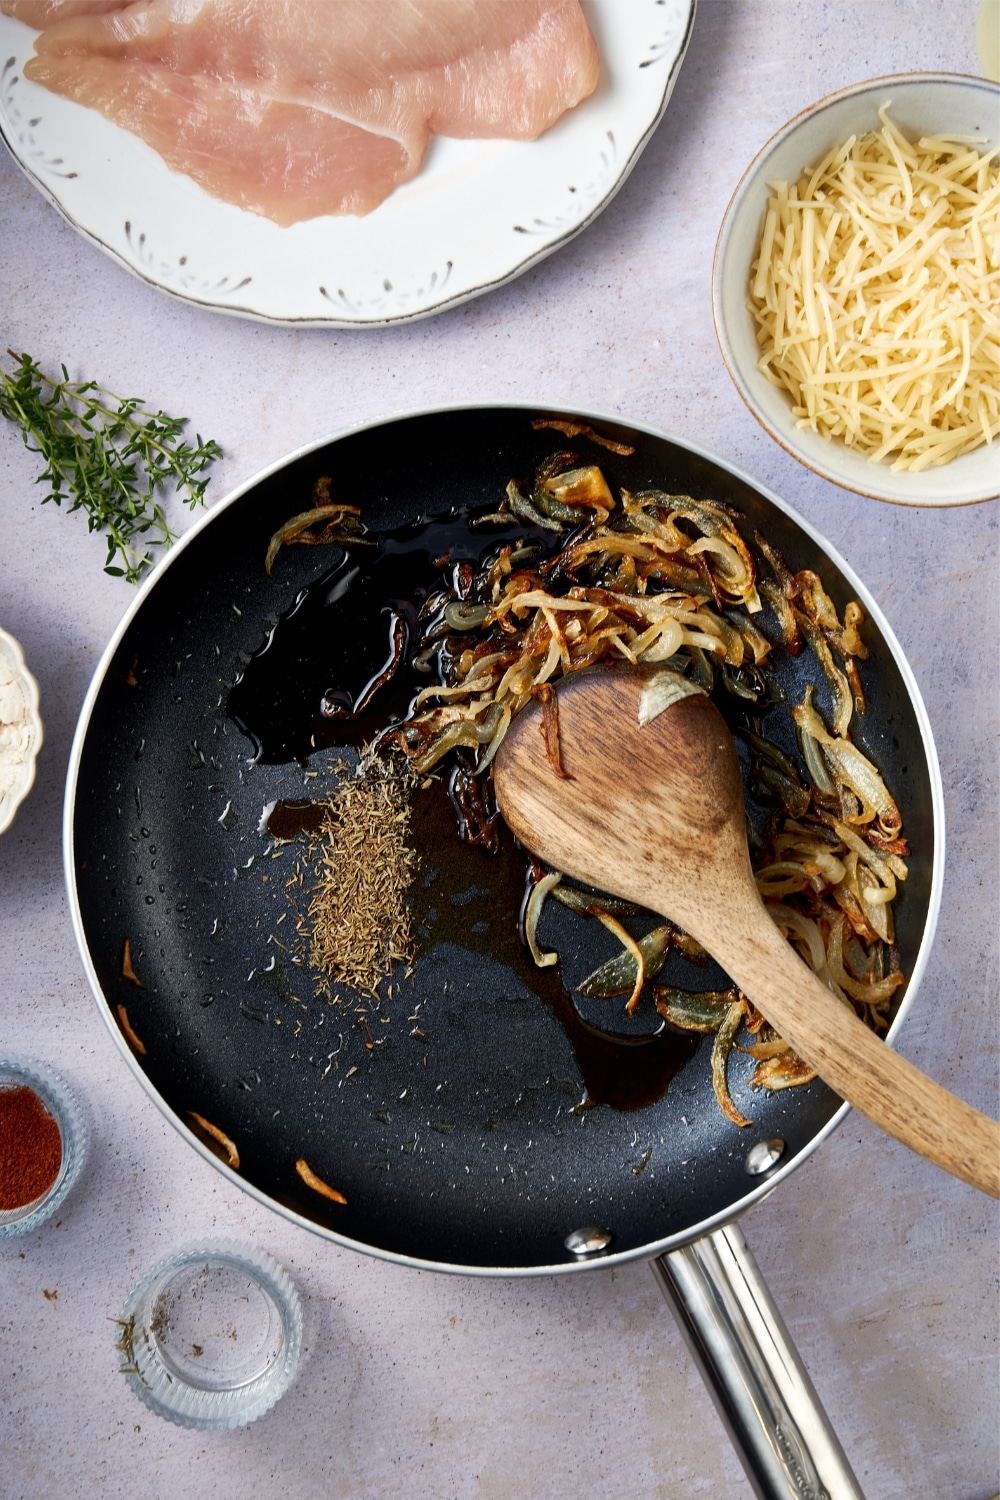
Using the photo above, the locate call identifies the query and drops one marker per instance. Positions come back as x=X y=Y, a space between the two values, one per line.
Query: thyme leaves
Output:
x=109 y=456
x=355 y=917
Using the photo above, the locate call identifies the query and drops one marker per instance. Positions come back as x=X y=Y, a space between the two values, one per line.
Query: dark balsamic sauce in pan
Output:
x=301 y=691
x=474 y=899
x=289 y=818
x=315 y=685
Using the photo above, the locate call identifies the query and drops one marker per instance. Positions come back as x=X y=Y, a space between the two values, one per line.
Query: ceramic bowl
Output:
x=921 y=104
x=20 y=729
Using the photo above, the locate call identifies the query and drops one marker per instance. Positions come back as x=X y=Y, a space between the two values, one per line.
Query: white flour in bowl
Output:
x=19 y=733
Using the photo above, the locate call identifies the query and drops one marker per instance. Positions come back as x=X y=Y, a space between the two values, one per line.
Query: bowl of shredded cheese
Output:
x=856 y=288
x=20 y=729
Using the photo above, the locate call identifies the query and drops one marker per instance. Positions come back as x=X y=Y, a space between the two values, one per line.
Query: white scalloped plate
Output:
x=477 y=215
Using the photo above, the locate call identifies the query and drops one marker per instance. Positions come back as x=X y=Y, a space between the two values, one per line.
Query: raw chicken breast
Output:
x=295 y=108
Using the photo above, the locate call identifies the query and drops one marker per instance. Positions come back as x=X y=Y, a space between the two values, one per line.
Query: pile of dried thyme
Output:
x=356 y=920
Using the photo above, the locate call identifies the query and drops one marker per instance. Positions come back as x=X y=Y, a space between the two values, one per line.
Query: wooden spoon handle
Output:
x=651 y=808
x=831 y=1038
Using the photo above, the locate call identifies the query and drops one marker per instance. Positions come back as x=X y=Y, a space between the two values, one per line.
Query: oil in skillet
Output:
x=290 y=817
x=338 y=667
x=474 y=902
x=469 y=897
x=315 y=682
x=301 y=693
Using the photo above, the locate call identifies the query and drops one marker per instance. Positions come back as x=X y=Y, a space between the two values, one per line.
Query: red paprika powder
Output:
x=30 y=1147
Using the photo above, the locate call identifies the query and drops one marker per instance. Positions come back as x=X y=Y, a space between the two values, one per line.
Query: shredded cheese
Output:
x=876 y=293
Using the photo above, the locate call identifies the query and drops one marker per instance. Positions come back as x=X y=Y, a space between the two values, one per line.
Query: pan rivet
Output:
x=589 y=1241
x=762 y=1157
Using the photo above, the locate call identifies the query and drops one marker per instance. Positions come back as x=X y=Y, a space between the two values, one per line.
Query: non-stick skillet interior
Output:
x=456 y=1139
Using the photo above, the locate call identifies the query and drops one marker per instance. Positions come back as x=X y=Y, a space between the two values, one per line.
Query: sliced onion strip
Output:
x=544 y=959
x=627 y=941
x=724 y=1038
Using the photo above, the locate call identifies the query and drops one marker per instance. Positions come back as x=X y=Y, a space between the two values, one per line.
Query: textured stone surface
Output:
x=885 y=1270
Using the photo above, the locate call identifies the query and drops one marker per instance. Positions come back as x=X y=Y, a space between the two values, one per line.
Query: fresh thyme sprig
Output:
x=108 y=456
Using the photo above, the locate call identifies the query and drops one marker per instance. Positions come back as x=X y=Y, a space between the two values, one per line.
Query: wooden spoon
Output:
x=654 y=812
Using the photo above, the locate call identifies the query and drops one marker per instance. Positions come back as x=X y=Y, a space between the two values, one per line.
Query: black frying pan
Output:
x=458 y=1138
x=475 y=1159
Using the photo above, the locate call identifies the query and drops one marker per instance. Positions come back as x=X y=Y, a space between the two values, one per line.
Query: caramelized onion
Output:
x=721 y=1048
x=621 y=974
x=342 y=526
x=853 y=770
x=667 y=579
x=628 y=942
x=785 y=1072
x=532 y=916
x=694 y=1010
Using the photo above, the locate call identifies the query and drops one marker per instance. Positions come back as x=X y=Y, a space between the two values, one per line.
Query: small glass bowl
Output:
x=210 y=1337
x=60 y=1101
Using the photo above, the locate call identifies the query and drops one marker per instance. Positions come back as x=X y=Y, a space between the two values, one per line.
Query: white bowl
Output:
x=922 y=104
x=20 y=729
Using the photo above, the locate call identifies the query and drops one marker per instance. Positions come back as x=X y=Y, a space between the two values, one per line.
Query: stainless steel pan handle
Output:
x=753 y=1371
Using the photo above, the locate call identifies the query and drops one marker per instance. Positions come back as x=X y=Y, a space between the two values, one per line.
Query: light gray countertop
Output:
x=437 y=1386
